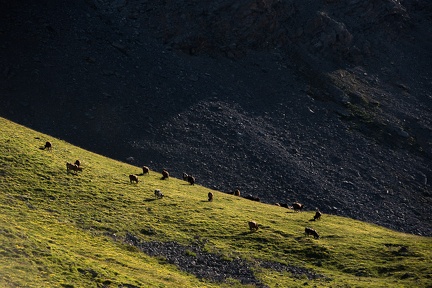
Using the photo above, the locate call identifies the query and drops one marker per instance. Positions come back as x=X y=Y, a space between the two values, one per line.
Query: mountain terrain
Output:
x=93 y=227
x=323 y=102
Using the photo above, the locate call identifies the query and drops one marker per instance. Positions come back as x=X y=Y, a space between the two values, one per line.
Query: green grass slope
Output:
x=58 y=229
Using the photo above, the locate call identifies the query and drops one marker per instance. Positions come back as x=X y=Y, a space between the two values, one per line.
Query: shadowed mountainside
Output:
x=323 y=102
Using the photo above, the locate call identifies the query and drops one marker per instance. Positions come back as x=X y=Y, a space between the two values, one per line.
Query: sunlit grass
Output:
x=58 y=229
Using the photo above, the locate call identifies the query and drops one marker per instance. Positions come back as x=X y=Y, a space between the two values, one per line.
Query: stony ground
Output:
x=323 y=102
x=210 y=266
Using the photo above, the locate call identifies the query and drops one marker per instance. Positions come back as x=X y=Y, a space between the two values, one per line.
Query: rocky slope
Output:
x=323 y=102
x=204 y=265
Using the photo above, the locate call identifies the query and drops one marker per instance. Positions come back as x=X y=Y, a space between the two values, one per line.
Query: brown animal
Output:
x=237 y=192
x=165 y=174
x=158 y=194
x=210 y=196
x=310 y=231
x=133 y=178
x=146 y=170
x=317 y=215
x=48 y=145
x=253 y=198
x=297 y=206
x=253 y=226
x=73 y=167
x=189 y=178
x=78 y=163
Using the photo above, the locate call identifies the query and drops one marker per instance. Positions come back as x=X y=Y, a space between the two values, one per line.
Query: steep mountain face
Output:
x=324 y=102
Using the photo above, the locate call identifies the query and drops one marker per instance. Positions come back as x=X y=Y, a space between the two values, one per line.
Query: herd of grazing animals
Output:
x=253 y=226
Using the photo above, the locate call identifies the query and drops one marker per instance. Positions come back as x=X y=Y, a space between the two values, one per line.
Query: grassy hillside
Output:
x=58 y=229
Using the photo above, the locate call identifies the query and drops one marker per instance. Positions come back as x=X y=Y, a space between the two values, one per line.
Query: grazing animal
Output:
x=313 y=232
x=253 y=198
x=48 y=145
x=297 y=206
x=133 y=178
x=73 y=167
x=146 y=170
x=189 y=178
x=165 y=174
x=317 y=215
x=158 y=194
x=210 y=196
x=78 y=163
x=253 y=226
x=284 y=205
x=237 y=192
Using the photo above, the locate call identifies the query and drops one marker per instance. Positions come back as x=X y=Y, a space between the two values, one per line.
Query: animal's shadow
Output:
x=142 y=174
x=150 y=199
x=246 y=233
x=71 y=173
